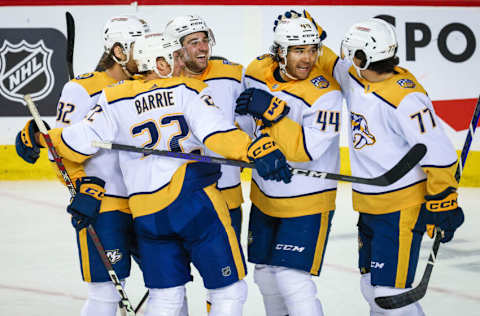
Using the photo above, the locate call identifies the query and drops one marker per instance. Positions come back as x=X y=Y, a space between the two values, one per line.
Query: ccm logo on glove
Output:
x=263 y=149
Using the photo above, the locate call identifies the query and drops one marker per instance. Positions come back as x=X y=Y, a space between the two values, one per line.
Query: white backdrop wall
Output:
x=244 y=32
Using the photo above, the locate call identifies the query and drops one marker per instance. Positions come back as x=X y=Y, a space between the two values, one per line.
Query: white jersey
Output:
x=78 y=97
x=176 y=114
x=387 y=119
x=226 y=82
x=308 y=136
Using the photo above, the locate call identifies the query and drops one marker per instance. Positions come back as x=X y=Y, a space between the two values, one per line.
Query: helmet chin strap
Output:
x=123 y=64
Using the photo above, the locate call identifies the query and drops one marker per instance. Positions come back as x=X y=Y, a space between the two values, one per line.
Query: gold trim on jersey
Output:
x=224 y=215
x=63 y=149
x=149 y=203
x=293 y=206
x=408 y=219
x=327 y=59
x=114 y=203
x=231 y=144
x=233 y=196
x=84 y=255
x=217 y=69
x=262 y=70
x=293 y=146
x=383 y=203
x=94 y=82
x=130 y=89
x=320 y=245
x=440 y=178
x=392 y=90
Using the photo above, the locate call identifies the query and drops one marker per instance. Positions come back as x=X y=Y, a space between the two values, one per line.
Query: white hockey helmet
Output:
x=152 y=46
x=182 y=26
x=375 y=37
x=124 y=29
x=295 y=32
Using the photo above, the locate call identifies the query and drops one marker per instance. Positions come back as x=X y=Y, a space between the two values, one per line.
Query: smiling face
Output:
x=196 y=51
x=300 y=60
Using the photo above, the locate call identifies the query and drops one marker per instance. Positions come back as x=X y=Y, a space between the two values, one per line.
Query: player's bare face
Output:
x=300 y=60
x=196 y=51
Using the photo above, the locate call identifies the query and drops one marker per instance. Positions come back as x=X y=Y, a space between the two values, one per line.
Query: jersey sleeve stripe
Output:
x=222 y=78
x=255 y=79
x=384 y=192
x=305 y=145
x=71 y=148
x=297 y=97
x=436 y=166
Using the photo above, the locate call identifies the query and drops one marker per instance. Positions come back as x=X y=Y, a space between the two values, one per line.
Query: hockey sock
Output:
x=102 y=299
x=166 y=302
x=299 y=292
x=228 y=300
x=264 y=277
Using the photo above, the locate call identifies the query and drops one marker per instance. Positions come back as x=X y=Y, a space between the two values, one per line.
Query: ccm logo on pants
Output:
x=289 y=248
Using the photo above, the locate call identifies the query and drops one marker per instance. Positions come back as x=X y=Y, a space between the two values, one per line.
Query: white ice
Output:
x=39 y=269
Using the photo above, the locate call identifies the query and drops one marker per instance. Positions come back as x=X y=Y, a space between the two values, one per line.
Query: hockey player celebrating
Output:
x=390 y=112
x=226 y=82
x=299 y=105
x=179 y=214
x=113 y=223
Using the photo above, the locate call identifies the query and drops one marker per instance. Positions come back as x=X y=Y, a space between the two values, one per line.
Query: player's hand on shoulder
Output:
x=85 y=206
x=444 y=212
x=261 y=105
x=25 y=143
x=269 y=160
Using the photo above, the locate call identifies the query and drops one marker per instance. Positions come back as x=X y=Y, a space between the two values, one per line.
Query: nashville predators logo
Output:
x=406 y=83
x=320 y=82
x=114 y=256
x=361 y=134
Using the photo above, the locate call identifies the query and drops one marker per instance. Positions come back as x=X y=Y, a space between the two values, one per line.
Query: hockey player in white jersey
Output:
x=390 y=112
x=179 y=214
x=299 y=105
x=113 y=224
x=226 y=82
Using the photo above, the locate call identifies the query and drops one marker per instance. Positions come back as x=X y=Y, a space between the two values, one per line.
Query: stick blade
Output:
x=410 y=160
x=401 y=300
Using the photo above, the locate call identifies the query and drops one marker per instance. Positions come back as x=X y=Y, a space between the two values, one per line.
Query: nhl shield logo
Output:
x=25 y=68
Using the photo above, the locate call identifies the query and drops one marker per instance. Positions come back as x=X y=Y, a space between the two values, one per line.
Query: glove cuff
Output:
x=444 y=201
x=261 y=147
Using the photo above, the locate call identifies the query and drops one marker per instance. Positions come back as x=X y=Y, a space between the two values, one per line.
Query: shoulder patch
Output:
x=320 y=82
x=84 y=76
x=406 y=83
x=264 y=56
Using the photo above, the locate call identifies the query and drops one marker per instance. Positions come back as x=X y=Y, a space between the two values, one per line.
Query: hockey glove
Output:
x=261 y=105
x=85 y=206
x=269 y=160
x=25 y=144
x=305 y=14
x=444 y=212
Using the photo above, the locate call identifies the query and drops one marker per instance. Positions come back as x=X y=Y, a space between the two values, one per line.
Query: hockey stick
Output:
x=124 y=302
x=70 y=43
x=414 y=155
x=417 y=293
